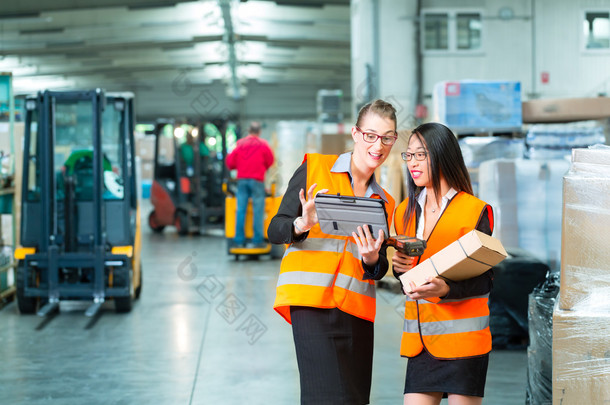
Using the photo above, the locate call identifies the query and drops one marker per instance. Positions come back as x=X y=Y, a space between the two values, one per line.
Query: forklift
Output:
x=80 y=223
x=187 y=183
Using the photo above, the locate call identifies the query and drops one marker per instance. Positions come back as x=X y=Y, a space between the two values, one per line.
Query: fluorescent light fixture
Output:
x=179 y=132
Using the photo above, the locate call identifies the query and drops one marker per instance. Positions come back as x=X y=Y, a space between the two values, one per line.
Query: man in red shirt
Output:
x=251 y=158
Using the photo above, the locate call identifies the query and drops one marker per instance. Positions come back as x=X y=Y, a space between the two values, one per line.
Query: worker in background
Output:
x=326 y=287
x=446 y=330
x=251 y=157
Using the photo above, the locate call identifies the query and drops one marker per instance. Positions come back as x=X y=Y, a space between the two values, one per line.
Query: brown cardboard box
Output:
x=471 y=255
x=581 y=361
x=145 y=147
x=147 y=168
x=565 y=110
x=166 y=148
x=586 y=219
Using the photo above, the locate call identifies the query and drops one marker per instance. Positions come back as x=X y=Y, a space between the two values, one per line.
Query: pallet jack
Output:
x=272 y=204
x=80 y=222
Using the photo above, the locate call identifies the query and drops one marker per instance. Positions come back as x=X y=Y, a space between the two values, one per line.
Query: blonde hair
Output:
x=378 y=107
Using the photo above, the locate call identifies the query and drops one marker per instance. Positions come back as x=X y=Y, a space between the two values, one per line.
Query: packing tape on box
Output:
x=469 y=257
x=434 y=267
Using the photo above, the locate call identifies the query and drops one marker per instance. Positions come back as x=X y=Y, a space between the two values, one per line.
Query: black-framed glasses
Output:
x=407 y=156
x=371 y=137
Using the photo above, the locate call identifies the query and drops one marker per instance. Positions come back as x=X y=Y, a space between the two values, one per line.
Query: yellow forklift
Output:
x=80 y=222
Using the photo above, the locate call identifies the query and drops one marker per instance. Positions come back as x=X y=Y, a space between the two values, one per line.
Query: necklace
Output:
x=433 y=209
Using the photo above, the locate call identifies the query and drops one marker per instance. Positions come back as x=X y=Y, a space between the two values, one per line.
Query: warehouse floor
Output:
x=203 y=332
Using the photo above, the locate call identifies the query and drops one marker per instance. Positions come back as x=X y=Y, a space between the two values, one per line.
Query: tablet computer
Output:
x=341 y=215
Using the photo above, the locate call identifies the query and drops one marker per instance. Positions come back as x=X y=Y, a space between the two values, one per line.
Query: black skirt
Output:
x=461 y=376
x=334 y=354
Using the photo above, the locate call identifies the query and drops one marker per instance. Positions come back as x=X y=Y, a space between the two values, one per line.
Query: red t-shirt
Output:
x=251 y=157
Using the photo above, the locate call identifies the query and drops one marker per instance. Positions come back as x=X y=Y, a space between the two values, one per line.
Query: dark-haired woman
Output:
x=446 y=330
x=326 y=287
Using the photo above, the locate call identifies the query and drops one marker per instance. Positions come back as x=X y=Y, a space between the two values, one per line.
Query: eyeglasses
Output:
x=407 y=156
x=371 y=137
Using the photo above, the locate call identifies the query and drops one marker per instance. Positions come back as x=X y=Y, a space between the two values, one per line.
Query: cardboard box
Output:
x=145 y=147
x=471 y=255
x=584 y=255
x=565 y=110
x=581 y=361
x=147 y=170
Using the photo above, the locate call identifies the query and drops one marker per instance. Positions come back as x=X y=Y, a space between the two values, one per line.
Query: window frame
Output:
x=583 y=36
x=452 y=40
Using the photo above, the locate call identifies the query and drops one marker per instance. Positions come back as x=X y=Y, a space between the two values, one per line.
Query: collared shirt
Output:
x=421 y=200
x=281 y=228
x=343 y=164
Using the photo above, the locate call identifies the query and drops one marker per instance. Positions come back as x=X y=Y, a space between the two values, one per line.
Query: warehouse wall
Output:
x=383 y=38
x=552 y=30
x=560 y=50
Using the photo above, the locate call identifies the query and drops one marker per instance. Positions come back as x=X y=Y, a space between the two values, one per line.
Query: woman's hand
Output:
x=435 y=287
x=367 y=246
x=401 y=263
x=309 y=217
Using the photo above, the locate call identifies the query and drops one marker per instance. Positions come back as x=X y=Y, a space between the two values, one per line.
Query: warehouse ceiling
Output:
x=153 y=47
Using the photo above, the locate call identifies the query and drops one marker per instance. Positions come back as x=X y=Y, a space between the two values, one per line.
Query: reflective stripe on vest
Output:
x=306 y=278
x=325 y=271
x=357 y=286
x=326 y=280
x=449 y=328
x=446 y=327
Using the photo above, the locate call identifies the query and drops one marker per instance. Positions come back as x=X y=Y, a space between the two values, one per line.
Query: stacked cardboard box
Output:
x=145 y=150
x=581 y=361
x=585 y=256
x=565 y=109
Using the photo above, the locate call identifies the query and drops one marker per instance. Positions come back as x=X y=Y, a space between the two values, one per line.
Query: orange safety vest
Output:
x=325 y=271
x=452 y=328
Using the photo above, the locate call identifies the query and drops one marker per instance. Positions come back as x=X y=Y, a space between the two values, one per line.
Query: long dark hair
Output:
x=444 y=159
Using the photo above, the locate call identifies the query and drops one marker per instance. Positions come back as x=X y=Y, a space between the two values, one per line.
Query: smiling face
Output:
x=369 y=156
x=419 y=169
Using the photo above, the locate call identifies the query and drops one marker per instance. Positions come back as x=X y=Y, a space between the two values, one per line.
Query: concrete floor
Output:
x=203 y=332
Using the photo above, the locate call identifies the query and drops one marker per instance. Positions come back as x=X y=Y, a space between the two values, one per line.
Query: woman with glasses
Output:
x=325 y=288
x=446 y=329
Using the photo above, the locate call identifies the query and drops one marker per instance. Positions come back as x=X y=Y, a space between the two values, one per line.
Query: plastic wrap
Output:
x=514 y=280
x=471 y=106
x=539 y=353
x=526 y=197
x=477 y=149
x=292 y=139
x=556 y=141
x=585 y=273
x=581 y=355
x=581 y=318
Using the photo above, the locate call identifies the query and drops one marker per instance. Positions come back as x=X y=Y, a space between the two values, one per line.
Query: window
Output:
x=468 y=31
x=452 y=31
x=596 y=30
x=435 y=31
